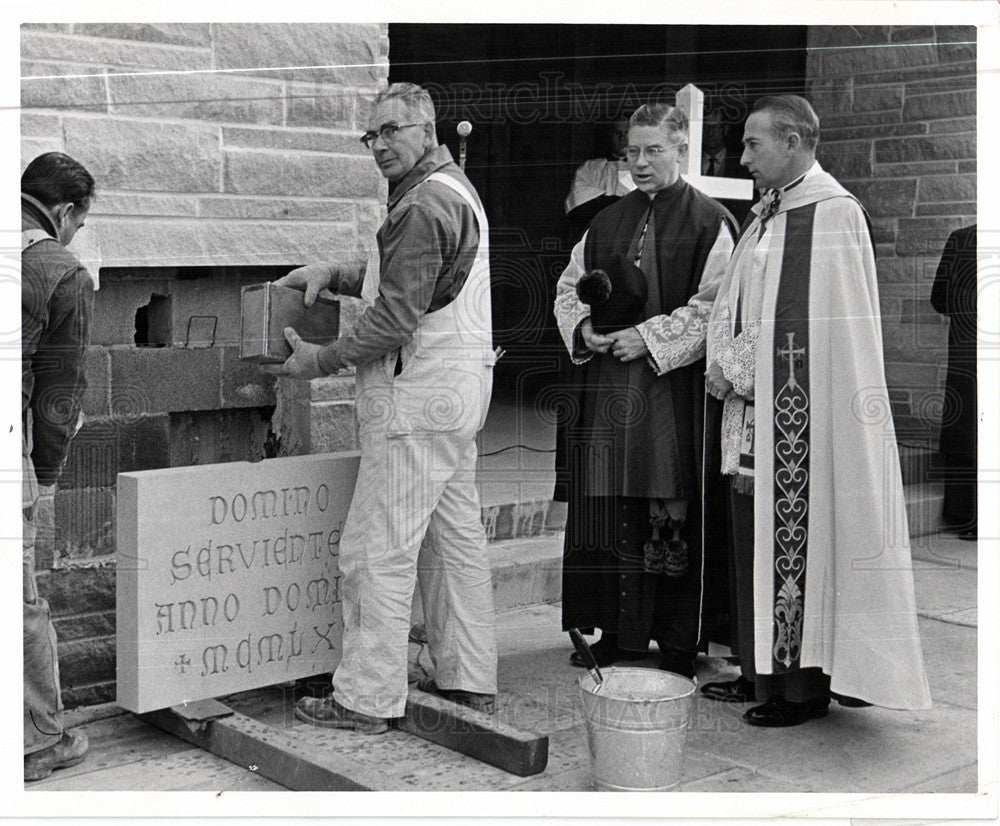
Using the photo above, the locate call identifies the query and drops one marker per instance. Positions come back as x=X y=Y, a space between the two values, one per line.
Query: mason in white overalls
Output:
x=424 y=361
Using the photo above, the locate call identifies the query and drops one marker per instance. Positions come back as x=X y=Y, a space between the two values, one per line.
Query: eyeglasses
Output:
x=387 y=132
x=652 y=152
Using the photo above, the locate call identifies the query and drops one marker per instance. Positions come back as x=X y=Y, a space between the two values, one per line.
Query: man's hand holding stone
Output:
x=628 y=345
x=716 y=382
x=303 y=363
x=595 y=341
x=311 y=278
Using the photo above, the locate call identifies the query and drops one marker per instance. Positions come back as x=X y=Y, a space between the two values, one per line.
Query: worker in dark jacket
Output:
x=57 y=300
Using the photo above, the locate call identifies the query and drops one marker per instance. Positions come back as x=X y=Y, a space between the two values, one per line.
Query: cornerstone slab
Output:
x=228 y=576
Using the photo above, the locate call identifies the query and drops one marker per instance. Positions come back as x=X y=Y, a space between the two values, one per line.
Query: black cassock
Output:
x=636 y=437
x=954 y=295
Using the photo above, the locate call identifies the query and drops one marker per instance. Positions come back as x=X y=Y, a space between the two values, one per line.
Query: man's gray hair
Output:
x=791 y=113
x=415 y=97
x=661 y=114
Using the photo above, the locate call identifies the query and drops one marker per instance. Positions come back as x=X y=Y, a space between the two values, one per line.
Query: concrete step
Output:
x=924 y=507
x=527 y=571
x=518 y=520
x=919 y=464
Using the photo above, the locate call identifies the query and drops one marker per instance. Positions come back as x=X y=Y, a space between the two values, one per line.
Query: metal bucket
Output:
x=636 y=724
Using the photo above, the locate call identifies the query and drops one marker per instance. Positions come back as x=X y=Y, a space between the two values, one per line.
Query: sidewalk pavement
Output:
x=868 y=750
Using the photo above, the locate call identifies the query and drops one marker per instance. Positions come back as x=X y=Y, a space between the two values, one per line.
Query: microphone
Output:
x=464 y=129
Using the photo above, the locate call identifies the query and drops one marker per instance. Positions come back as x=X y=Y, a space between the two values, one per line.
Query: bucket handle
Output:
x=580 y=644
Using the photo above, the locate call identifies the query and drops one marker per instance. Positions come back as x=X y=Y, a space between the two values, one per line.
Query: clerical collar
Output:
x=794 y=183
x=667 y=191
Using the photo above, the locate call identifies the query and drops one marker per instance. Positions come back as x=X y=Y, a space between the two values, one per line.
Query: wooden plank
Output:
x=475 y=734
x=249 y=743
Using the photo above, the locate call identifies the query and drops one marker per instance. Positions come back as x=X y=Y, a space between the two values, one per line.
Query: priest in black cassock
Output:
x=633 y=562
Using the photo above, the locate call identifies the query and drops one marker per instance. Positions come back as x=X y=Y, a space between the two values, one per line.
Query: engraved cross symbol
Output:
x=182 y=662
x=789 y=353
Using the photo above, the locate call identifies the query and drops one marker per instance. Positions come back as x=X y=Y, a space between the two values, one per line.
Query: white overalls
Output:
x=415 y=514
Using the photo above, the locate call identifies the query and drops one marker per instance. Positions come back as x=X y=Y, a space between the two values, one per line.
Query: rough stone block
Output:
x=888 y=130
x=300 y=173
x=878 y=98
x=127 y=154
x=957 y=52
x=936 y=188
x=911 y=34
x=181 y=34
x=146 y=203
x=952 y=126
x=914 y=169
x=831 y=96
x=40 y=126
x=206 y=438
x=143 y=442
x=898 y=270
x=129 y=55
x=919 y=236
x=315 y=104
x=67 y=590
x=85 y=626
x=276 y=209
x=93 y=459
x=244 y=384
x=929 y=148
x=207 y=97
x=960 y=210
x=943 y=104
x=197 y=243
x=165 y=379
x=343 y=53
x=44 y=86
x=846 y=36
x=847 y=160
x=332 y=427
x=860 y=120
x=967 y=166
x=913 y=376
x=31 y=148
x=311 y=140
x=878 y=57
x=883 y=197
x=85 y=523
x=917 y=76
x=83 y=662
x=47 y=27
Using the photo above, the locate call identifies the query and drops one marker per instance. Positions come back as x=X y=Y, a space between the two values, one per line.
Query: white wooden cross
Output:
x=691 y=101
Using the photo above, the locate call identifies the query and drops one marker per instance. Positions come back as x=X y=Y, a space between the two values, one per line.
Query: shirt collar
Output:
x=768 y=196
x=34 y=213
x=431 y=162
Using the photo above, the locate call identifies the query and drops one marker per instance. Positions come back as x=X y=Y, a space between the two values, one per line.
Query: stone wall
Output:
x=897 y=107
x=216 y=166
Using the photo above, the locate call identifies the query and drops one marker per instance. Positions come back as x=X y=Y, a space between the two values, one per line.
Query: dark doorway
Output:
x=540 y=98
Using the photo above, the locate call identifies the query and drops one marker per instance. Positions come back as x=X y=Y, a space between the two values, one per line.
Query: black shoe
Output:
x=68 y=751
x=740 y=690
x=328 y=713
x=779 y=713
x=677 y=662
x=849 y=702
x=486 y=703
